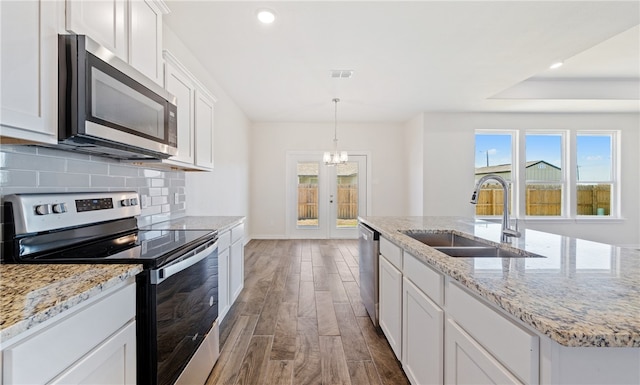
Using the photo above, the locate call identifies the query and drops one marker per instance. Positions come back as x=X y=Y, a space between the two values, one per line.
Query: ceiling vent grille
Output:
x=341 y=74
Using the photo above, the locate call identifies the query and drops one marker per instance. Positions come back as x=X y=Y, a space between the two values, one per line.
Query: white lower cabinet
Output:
x=236 y=262
x=230 y=268
x=390 y=305
x=113 y=362
x=224 y=300
x=95 y=343
x=422 y=336
x=467 y=362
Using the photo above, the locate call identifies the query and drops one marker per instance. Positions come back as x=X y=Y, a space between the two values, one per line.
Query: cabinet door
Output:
x=29 y=71
x=224 y=302
x=466 y=362
x=204 y=129
x=181 y=86
x=236 y=267
x=145 y=38
x=422 y=337
x=102 y=20
x=391 y=305
x=113 y=362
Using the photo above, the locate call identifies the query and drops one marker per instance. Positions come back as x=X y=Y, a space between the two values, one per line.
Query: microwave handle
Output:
x=159 y=275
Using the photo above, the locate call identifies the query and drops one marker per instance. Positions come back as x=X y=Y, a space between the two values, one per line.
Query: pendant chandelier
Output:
x=332 y=158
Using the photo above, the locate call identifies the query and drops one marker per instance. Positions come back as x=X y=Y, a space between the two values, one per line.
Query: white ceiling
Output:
x=416 y=56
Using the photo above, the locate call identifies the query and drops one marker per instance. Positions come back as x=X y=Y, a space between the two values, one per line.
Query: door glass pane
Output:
x=347 y=199
x=308 y=195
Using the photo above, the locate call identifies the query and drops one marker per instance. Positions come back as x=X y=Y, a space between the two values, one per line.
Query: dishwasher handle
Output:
x=159 y=275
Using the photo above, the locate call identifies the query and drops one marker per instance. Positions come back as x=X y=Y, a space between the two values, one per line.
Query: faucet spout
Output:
x=506 y=230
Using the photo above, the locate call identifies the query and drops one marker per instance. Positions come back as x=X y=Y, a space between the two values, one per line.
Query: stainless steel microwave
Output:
x=108 y=108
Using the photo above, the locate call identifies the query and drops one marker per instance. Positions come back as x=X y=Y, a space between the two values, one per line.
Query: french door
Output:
x=325 y=201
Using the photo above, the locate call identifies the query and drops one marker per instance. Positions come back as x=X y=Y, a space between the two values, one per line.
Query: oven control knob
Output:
x=43 y=209
x=59 y=208
x=133 y=201
x=125 y=202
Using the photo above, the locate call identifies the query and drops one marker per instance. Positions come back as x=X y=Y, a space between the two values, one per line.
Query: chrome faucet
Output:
x=506 y=230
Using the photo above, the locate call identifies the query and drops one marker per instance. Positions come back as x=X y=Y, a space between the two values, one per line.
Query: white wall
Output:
x=225 y=191
x=413 y=147
x=270 y=143
x=449 y=158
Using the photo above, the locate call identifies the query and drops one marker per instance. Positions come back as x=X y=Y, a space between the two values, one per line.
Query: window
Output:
x=544 y=176
x=494 y=155
x=560 y=173
x=594 y=174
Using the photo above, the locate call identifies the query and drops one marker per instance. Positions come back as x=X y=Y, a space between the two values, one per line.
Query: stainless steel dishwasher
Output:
x=368 y=250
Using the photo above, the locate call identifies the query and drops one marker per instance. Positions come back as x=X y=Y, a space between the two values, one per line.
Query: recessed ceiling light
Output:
x=341 y=74
x=266 y=16
x=555 y=65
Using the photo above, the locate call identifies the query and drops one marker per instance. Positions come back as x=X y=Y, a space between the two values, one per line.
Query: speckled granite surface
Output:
x=32 y=294
x=198 y=223
x=582 y=294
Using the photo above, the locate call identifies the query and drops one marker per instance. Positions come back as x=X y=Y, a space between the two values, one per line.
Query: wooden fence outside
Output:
x=546 y=200
x=308 y=201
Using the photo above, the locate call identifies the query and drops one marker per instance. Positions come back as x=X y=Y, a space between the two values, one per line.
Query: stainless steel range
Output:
x=177 y=292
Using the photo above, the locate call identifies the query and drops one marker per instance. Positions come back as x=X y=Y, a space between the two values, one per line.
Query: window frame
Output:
x=569 y=173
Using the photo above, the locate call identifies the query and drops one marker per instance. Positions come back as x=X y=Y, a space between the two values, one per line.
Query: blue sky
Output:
x=593 y=153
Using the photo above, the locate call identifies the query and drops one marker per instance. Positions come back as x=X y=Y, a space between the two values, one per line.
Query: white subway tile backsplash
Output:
x=160 y=200
x=17 y=161
x=128 y=171
x=107 y=181
x=157 y=182
x=31 y=169
x=18 y=178
x=85 y=167
x=59 y=179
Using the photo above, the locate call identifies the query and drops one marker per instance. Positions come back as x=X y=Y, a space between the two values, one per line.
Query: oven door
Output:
x=185 y=294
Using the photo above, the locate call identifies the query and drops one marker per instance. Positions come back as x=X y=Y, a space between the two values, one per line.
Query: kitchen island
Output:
x=581 y=299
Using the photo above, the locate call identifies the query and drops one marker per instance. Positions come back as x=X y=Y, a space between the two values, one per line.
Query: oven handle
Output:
x=159 y=275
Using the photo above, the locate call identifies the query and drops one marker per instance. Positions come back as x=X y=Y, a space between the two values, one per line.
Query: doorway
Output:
x=325 y=201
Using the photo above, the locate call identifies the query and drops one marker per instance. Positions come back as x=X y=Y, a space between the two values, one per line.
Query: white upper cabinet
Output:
x=132 y=29
x=204 y=129
x=102 y=20
x=195 y=118
x=145 y=38
x=181 y=86
x=29 y=71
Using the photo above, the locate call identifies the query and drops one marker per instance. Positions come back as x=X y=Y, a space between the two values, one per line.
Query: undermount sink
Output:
x=448 y=239
x=456 y=245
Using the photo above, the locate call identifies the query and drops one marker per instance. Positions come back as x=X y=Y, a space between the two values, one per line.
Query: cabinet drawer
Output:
x=424 y=277
x=42 y=356
x=516 y=348
x=392 y=252
x=237 y=233
x=224 y=240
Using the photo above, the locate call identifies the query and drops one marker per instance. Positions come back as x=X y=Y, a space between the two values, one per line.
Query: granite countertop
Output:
x=582 y=294
x=197 y=223
x=32 y=294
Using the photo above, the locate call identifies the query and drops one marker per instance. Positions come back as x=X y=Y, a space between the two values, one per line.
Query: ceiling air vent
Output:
x=341 y=74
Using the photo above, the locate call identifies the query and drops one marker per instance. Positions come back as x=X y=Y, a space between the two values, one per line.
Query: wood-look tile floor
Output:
x=299 y=320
